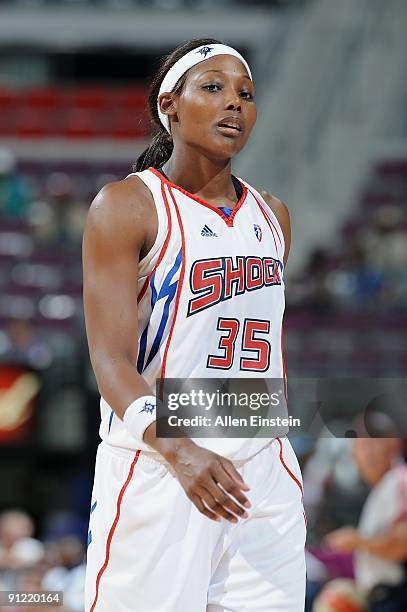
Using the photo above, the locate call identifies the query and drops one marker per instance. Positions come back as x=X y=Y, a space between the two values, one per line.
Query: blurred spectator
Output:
x=17 y=546
x=357 y=284
x=330 y=474
x=69 y=214
x=385 y=245
x=311 y=288
x=41 y=222
x=340 y=595
x=68 y=572
x=56 y=216
x=379 y=543
x=26 y=564
x=373 y=274
x=13 y=193
x=385 y=242
x=26 y=346
x=31 y=579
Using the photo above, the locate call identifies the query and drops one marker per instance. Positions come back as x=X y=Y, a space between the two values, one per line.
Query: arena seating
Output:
x=41 y=281
x=79 y=112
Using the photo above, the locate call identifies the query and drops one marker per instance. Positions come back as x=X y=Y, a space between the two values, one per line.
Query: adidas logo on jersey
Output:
x=207 y=232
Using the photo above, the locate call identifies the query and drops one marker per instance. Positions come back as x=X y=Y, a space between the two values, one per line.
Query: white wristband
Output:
x=139 y=415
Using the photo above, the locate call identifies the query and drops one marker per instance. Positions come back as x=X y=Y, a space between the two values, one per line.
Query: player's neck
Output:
x=205 y=178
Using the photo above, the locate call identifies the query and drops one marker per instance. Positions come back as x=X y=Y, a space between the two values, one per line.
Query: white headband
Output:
x=186 y=62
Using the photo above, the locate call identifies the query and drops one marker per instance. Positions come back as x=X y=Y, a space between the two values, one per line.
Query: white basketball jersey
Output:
x=210 y=299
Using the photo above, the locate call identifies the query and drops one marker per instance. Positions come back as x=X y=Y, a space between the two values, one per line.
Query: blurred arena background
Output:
x=331 y=141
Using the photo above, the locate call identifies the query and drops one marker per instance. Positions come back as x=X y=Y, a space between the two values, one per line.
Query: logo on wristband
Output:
x=148 y=407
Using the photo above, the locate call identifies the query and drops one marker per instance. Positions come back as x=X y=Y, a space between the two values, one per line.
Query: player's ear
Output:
x=167 y=104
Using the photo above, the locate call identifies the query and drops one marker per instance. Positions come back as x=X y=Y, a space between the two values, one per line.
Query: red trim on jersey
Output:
x=283 y=362
x=403 y=489
x=179 y=288
x=287 y=468
x=277 y=232
x=401 y=474
x=113 y=528
x=227 y=220
x=163 y=248
x=269 y=220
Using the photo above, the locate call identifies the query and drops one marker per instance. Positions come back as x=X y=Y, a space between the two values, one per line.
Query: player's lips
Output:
x=231 y=126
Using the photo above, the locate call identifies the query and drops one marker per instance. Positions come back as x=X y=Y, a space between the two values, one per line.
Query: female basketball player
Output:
x=183 y=278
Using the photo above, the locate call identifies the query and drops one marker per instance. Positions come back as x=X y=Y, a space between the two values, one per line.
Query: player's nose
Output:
x=233 y=100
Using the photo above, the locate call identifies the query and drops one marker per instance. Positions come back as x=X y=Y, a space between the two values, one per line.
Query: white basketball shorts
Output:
x=151 y=550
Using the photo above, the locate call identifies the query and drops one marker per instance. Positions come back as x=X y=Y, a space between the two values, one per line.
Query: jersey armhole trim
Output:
x=154 y=248
x=273 y=229
x=163 y=248
x=179 y=288
x=271 y=216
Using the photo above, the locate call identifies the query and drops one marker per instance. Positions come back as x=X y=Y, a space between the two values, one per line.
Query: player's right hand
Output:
x=211 y=482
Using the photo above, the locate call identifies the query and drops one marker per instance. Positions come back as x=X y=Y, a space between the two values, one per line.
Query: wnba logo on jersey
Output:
x=258 y=232
x=216 y=280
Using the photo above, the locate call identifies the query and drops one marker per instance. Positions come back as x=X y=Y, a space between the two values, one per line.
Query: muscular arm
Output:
x=118 y=228
x=391 y=545
x=283 y=216
x=113 y=238
x=114 y=235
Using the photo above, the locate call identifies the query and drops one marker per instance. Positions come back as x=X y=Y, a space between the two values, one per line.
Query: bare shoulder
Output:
x=122 y=201
x=121 y=211
x=281 y=211
x=279 y=208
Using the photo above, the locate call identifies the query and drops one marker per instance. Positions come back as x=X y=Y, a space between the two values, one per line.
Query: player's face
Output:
x=374 y=456
x=215 y=109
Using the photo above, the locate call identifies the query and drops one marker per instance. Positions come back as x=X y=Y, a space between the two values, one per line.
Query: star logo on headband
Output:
x=205 y=50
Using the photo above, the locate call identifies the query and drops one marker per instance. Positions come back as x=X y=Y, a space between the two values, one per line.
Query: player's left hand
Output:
x=345 y=539
x=211 y=482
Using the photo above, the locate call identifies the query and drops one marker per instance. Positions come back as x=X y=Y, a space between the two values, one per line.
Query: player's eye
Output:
x=246 y=95
x=212 y=87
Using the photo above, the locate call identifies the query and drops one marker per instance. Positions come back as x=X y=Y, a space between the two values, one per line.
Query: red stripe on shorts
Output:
x=113 y=528
x=287 y=468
